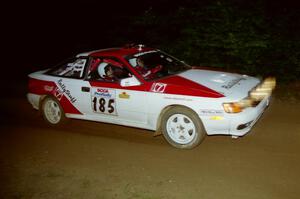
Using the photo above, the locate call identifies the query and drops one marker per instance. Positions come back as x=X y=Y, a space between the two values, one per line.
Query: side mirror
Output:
x=130 y=81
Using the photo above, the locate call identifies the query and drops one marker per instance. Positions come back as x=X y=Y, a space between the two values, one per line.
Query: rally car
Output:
x=146 y=88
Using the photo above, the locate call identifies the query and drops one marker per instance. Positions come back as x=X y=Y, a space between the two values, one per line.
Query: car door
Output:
x=111 y=102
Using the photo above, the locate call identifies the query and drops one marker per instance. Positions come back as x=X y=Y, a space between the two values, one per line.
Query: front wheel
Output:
x=182 y=128
x=52 y=111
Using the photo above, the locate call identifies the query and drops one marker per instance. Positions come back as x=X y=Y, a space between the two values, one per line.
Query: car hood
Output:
x=228 y=84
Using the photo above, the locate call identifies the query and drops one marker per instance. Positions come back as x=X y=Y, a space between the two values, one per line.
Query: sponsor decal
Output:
x=124 y=95
x=178 y=98
x=62 y=89
x=211 y=112
x=58 y=93
x=101 y=92
x=232 y=83
x=48 y=88
x=158 y=87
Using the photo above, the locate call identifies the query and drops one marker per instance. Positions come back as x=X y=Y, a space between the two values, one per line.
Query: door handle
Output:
x=85 y=89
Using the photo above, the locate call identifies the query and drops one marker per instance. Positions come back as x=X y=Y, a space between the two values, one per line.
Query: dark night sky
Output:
x=63 y=29
x=46 y=32
x=39 y=34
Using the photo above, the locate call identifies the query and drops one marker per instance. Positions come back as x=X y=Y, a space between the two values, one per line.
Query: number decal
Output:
x=95 y=104
x=111 y=106
x=103 y=101
x=102 y=105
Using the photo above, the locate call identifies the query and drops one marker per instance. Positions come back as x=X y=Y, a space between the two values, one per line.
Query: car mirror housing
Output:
x=130 y=81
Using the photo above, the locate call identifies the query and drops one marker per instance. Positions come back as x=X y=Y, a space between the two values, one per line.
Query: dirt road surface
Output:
x=97 y=160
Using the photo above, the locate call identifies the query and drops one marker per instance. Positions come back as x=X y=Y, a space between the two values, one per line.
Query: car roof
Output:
x=118 y=52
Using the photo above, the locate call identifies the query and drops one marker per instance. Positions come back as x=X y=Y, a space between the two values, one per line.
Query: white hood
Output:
x=231 y=85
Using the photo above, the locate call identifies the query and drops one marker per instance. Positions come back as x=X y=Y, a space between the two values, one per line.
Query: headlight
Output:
x=263 y=90
x=232 y=107
x=255 y=96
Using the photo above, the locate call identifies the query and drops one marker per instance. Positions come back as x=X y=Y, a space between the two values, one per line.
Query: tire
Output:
x=52 y=112
x=182 y=128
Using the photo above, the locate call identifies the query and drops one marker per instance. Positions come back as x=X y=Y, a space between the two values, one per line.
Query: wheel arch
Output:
x=42 y=100
x=163 y=111
x=43 y=97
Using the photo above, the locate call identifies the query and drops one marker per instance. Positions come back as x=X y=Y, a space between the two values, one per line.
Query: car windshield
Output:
x=156 y=64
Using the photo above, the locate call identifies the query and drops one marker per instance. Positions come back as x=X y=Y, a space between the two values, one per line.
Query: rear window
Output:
x=73 y=68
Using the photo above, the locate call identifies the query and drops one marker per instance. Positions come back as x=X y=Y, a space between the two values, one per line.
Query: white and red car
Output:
x=146 y=88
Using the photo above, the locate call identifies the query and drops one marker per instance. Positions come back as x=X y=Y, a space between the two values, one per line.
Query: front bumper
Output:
x=241 y=123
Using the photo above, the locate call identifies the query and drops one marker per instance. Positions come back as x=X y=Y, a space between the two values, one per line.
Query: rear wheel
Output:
x=52 y=111
x=182 y=128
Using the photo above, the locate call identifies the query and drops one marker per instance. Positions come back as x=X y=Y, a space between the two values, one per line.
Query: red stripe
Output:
x=181 y=86
x=68 y=106
x=41 y=87
x=175 y=85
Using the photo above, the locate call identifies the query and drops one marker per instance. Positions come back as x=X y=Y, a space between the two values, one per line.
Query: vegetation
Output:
x=256 y=38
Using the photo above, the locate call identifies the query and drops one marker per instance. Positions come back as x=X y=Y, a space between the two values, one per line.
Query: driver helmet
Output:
x=102 y=69
x=133 y=62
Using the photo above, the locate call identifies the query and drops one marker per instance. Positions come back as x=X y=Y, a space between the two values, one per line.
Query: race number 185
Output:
x=103 y=105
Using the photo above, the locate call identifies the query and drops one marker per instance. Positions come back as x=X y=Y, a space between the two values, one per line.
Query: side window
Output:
x=107 y=69
x=73 y=68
